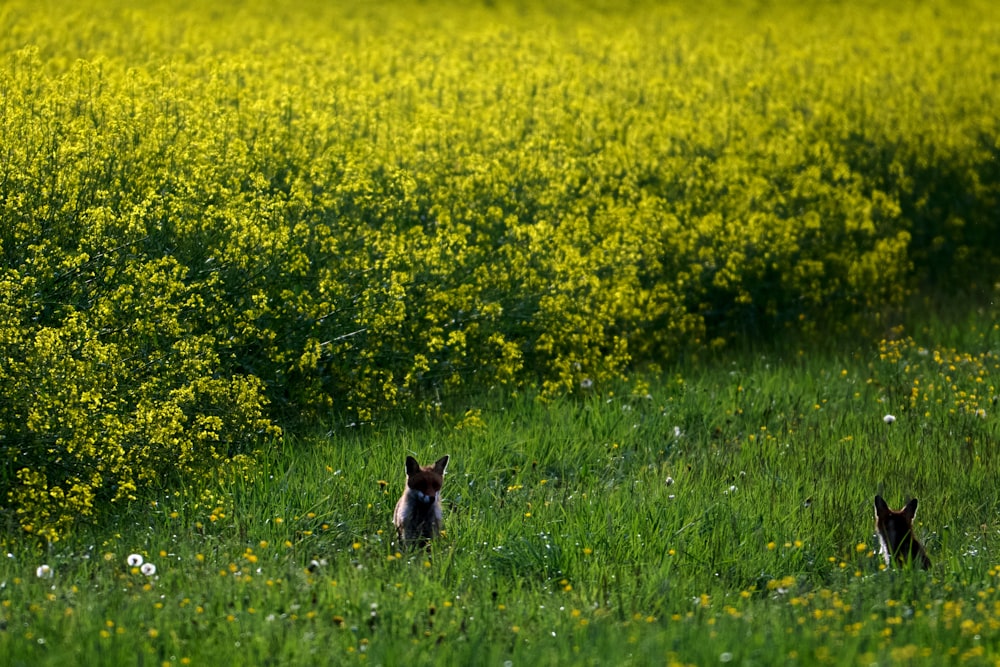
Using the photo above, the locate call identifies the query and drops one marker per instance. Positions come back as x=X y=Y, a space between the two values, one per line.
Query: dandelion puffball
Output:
x=148 y=569
x=44 y=572
x=135 y=560
x=888 y=419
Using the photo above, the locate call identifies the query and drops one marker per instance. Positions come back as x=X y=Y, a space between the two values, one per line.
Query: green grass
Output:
x=215 y=221
x=564 y=542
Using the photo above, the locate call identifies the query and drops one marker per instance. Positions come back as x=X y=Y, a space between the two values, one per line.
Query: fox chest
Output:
x=418 y=515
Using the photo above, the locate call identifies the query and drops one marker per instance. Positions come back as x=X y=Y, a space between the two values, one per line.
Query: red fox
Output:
x=418 y=512
x=895 y=532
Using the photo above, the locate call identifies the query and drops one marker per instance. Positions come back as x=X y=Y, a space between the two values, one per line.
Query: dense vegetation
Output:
x=640 y=268
x=215 y=222
x=724 y=517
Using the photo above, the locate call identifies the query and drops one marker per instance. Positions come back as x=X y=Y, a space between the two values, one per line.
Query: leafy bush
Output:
x=215 y=222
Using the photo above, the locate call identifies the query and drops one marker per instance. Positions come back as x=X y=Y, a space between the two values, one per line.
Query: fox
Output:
x=418 y=511
x=895 y=532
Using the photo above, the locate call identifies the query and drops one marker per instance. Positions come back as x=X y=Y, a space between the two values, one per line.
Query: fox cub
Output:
x=895 y=532
x=418 y=512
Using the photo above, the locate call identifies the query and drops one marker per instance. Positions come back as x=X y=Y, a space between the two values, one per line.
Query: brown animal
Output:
x=418 y=512
x=895 y=532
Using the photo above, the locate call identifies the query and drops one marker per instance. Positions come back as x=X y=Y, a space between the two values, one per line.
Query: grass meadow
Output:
x=724 y=516
x=637 y=267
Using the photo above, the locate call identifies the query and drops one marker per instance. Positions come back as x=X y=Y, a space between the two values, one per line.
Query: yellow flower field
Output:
x=216 y=219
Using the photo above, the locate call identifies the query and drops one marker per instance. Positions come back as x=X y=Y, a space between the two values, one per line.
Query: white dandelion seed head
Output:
x=134 y=560
x=43 y=572
x=678 y=432
x=148 y=569
x=888 y=419
x=670 y=481
x=586 y=383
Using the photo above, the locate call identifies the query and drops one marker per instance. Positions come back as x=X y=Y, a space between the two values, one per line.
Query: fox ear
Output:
x=911 y=509
x=881 y=508
x=412 y=467
x=441 y=464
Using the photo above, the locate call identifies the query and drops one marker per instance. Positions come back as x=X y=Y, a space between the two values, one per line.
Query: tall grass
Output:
x=727 y=515
x=536 y=240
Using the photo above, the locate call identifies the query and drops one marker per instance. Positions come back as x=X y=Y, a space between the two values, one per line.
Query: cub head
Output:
x=893 y=521
x=425 y=481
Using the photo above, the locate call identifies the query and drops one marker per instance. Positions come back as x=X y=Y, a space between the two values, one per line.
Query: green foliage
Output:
x=725 y=516
x=215 y=220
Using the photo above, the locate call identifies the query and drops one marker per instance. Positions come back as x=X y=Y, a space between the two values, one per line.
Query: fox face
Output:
x=895 y=532
x=418 y=512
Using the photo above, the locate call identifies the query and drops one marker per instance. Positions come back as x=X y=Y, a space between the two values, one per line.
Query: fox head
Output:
x=425 y=482
x=895 y=532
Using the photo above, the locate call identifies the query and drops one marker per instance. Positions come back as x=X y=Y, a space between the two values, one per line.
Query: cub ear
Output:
x=441 y=464
x=911 y=509
x=412 y=467
x=881 y=507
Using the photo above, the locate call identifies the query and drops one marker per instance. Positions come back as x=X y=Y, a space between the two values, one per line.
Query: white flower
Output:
x=888 y=419
x=678 y=432
x=44 y=572
x=135 y=560
x=586 y=383
x=670 y=480
x=148 y=569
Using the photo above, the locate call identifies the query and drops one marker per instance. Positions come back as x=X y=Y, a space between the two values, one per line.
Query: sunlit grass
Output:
x=544 y=240
x=725 y=516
